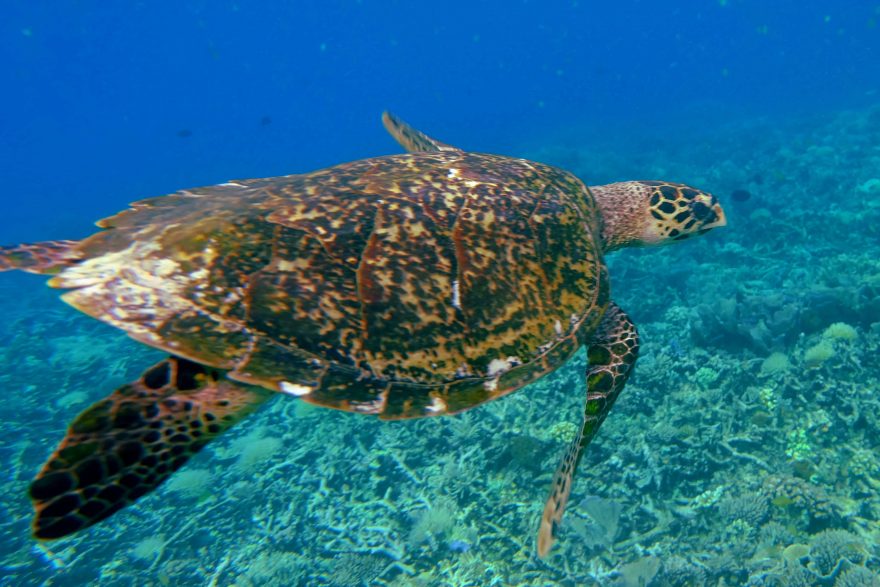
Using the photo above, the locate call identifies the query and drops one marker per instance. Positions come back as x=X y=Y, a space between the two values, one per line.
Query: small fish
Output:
x=740 y=195
x=459 y=546
x=675 y=348
x=266 y=121
x=184 y=133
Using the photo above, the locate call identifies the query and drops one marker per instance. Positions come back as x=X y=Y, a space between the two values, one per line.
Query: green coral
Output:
x=864 y=464
x=706 y=377
x=841 y=331
x=709 y=497
x=798 y=445
x=817 y=354
x=562 y=432
x=768 y=397
x=775 y=364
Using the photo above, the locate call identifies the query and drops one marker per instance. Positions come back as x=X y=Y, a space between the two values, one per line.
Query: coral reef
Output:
x=830 y=548
x=857 y=577
x=751 y=508
x=743 y=451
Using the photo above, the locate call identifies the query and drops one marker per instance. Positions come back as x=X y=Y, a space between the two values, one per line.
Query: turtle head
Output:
x=645 y=213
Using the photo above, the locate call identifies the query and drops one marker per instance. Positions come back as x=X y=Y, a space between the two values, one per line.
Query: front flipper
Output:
x=124 y=446
x=611 y=355
x=411 y=139
x=44 y=257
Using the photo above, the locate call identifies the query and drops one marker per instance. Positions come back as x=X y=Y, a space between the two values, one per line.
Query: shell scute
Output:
x=269 y=363
x=395 y=285
x=306 y=298
x=201 y=334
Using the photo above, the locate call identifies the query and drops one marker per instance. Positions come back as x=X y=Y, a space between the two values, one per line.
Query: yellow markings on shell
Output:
x=390 y=232
x=417 y=229
x=328 y=316
x=294 y=265
x=450 y=200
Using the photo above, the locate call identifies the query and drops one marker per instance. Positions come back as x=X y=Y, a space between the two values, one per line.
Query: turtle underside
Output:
x=405 y=286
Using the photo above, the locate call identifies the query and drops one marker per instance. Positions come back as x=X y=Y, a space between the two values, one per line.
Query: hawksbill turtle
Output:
x=402 y=286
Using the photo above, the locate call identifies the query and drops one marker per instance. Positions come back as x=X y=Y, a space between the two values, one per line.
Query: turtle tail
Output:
x=44 y=258
x=127 y=444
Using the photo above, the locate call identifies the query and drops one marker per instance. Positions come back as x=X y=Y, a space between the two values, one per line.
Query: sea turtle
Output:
x=404 y=286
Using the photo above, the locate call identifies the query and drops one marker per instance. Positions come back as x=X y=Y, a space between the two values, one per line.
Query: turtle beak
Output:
x=713 y=218
x=720 y=218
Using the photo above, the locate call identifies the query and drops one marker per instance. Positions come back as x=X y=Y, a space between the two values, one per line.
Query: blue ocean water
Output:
x=107 y=103
x=97 y=95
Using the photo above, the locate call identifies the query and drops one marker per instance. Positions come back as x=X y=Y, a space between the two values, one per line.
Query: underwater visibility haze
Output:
x=431 y=274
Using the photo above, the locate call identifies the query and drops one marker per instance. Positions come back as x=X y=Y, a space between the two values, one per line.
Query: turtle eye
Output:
x=702 y=212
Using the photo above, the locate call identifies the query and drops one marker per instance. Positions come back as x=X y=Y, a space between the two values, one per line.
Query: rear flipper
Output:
x=45 y=257
x=610 y=355
x=124 y=446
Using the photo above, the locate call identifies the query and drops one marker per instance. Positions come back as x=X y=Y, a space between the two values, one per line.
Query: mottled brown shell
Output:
x=405 y=286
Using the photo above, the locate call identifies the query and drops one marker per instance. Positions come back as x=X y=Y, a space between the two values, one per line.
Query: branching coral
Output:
x=753 y=508
x=801 y=501
x=830 y=547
